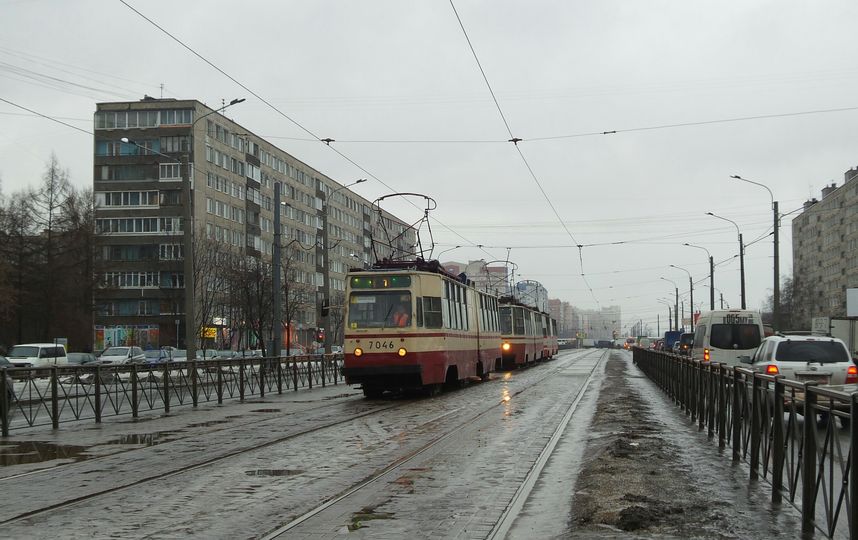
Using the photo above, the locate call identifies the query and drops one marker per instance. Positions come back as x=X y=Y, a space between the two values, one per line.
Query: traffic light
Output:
x=320 y=335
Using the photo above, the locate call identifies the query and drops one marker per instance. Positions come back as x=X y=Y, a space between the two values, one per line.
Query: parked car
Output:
x=820 y=359
x=10 y=384
x=122 y=355
x=208 y=354
x=158 y=356
x=80 y=358
x=226 y=354
x=38 y=355
x=179 y=355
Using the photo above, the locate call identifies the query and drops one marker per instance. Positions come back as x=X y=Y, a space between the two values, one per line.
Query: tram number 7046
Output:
x=380 y=345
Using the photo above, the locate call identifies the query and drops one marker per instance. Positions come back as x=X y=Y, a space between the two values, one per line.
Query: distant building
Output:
x=605 y=323
x=490 y=278
x=139 y=190
x=825 y=253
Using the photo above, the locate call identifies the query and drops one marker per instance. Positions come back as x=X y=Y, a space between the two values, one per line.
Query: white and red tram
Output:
x=413 y=325
x=527 y=334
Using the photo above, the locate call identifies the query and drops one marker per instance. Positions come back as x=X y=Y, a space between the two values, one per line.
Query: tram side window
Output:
x=505 y=317
x=528 y=324
x=419 y=312
x=432 y=314
x=544 y=326
x=518 y=321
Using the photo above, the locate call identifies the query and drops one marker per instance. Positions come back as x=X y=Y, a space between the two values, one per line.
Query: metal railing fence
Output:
x=52 y=396
x=764 y=420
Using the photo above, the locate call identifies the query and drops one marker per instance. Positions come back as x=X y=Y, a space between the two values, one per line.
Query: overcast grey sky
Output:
x=395 y=71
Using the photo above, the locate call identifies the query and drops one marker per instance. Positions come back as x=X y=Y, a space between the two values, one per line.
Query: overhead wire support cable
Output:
x=515 y=140
x=281 y=113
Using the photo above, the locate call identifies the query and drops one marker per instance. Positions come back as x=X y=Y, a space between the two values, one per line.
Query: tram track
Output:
x=436 y=441
x=248 y=449
x=224 y=429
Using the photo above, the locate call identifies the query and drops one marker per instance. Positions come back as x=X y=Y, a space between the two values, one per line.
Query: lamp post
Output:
x=776 y=291
x=438 y=258
x=326 y=275
x=711 y=274
x=741 y=254
x=669 y=314
x=690 y=295
x=676 y=302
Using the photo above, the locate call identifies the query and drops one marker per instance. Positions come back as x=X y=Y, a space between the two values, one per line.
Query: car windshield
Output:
x=824 y=352
x=735 y=336
x=116 y=351
x=20 y=351
x=387 y=309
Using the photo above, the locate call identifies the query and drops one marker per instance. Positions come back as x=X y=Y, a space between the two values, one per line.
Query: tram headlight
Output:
x=402 y=351
x=358 y=351
x=505 y=347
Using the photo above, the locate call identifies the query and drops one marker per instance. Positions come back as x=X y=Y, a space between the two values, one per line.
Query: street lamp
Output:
x=326 y=275
x=741 y=254
x=676 y=302
x=669 y=313
x=438 y=258
x=776 y=292
x=690 y=294
x=711 y=274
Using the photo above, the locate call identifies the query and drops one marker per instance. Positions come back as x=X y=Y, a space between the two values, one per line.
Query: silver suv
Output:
x=821 y=359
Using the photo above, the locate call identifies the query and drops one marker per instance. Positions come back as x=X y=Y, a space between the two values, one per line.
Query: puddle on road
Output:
x=274 y=472
x=209 y=423
x=146 y=439
x=266 y=410
x=38 y=452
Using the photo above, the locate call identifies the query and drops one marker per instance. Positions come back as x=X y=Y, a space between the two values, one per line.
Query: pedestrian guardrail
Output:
x=787 y=431
x=55 y=395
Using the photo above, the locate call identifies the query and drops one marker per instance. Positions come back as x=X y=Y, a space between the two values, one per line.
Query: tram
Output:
x=527 y=334
x=412 y=325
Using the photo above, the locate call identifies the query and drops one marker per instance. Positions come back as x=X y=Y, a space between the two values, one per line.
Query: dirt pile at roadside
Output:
x=633 y=481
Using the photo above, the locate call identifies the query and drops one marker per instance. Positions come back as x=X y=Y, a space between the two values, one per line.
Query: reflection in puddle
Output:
x=38 y=452
x=146 y=439
x=209 y=423
x=273 y=472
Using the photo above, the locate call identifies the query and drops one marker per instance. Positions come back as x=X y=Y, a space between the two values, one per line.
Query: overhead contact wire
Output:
x=278 y=111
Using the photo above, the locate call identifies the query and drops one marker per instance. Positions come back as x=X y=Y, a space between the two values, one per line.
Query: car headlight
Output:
x=358 y=351
x=505 y=346
x=402 y=351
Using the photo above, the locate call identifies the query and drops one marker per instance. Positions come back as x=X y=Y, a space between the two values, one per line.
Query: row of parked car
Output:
x=52 y=354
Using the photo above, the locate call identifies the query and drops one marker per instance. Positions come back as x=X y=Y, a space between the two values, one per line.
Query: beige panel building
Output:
x=139 y=192
x=825 y=252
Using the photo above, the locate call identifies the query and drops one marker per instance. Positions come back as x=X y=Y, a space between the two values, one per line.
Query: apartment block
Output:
x=825 y=252
x=144 y=151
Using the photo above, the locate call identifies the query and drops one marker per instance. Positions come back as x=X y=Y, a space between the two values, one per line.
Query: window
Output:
x=734 y=336
x=171 y=252
x=432 y=316
x=170 y=171
x=178 y=144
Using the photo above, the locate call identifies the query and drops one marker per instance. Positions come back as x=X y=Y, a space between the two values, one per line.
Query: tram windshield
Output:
x=389 y=309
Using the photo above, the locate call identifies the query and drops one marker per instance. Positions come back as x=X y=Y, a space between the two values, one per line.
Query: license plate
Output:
x=812 y=377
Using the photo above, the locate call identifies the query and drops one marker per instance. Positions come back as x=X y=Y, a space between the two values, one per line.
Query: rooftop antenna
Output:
x=162 y=90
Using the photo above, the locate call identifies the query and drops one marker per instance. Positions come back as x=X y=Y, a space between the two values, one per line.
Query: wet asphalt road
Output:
x=266 y=473
x=327 y=464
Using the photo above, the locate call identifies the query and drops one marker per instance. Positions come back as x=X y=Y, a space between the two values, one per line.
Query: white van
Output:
x=38 y=355
x=724 y=335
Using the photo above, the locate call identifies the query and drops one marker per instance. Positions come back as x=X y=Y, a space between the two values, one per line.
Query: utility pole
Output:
x=777 y=284
x=276 y=293
x=191 y=329
x=742 y=267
